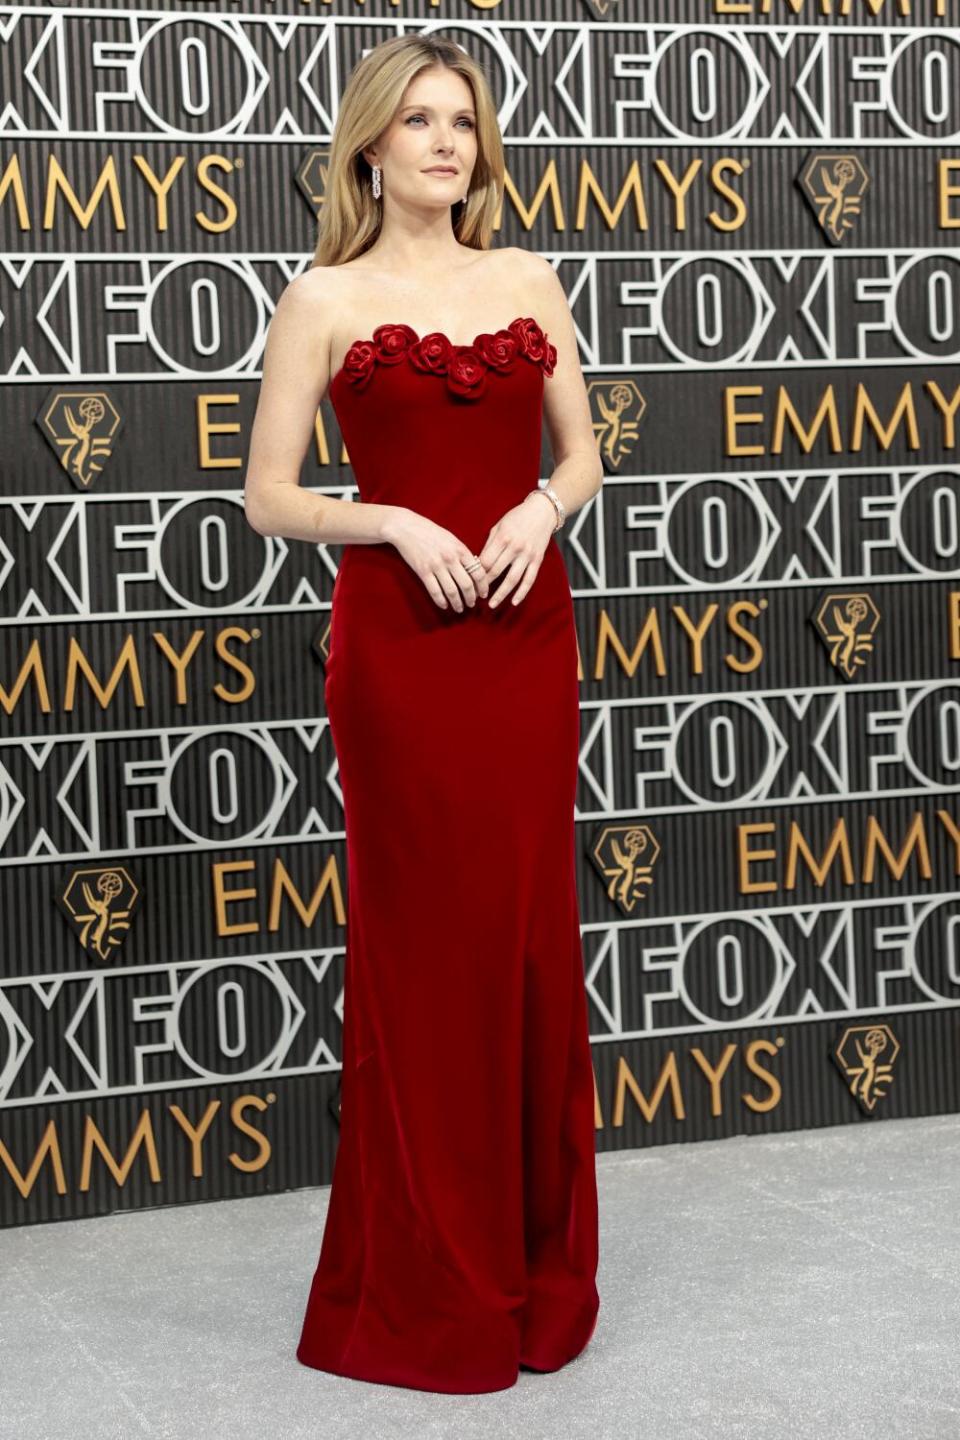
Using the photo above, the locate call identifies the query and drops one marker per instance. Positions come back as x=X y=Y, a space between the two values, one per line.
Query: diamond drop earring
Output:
x=376 y=182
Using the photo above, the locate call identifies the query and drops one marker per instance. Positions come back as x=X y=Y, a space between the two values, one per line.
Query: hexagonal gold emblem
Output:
x=857 y=1055
x=311 y=177
x=847 y=624
x=99 y=903
x=80 y=427
x=834 y=185
x=617 y=407
x=625 y=856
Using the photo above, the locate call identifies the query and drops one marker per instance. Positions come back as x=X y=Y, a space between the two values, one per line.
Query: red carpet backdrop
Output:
x=754 y=207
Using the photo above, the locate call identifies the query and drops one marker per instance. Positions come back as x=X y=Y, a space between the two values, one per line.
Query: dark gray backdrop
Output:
x=769 y=623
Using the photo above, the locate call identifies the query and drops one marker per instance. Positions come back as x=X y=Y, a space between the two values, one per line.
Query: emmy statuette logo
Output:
x=865 y=1056
x=620 y=408
x=311 y=178
x=99 y=903
x=834 y=186
x=847 y=624
x=625 y=856
x=81 y=427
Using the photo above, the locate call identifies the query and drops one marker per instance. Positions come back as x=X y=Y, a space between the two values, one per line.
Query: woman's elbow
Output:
x=255 y=512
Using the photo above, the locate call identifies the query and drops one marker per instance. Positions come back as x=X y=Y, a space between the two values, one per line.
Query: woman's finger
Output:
x=510 y=579
x=465 y=580
x=495 y=554
x=525 y=584
x=505 y=558
x=450 y=589
x=434 y=591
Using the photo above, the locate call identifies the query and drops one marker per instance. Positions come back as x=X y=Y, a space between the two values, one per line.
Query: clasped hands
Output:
x=514 y=548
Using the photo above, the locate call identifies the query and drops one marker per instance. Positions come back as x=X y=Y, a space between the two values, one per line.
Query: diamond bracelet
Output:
x=555 y=501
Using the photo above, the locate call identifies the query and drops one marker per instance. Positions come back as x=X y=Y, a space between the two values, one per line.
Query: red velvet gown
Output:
x=461 y=1236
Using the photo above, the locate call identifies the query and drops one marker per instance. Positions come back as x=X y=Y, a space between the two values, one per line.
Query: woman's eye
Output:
x=464 y=120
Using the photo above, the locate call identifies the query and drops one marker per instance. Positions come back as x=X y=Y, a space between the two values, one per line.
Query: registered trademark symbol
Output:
x=779 y=1039
x=270 y=1098
x=745 y=163
x=763 y=603
x=255 y=633
x=238 y=163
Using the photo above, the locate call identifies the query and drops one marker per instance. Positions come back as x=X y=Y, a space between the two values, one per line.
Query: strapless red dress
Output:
x=461 y=1236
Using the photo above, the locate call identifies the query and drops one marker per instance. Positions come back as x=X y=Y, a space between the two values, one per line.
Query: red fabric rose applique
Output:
x=465 y=367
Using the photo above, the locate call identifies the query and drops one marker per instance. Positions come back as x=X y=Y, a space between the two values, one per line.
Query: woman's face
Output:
x=435 y=126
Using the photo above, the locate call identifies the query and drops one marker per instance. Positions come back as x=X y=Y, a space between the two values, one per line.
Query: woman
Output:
x=461 y=1236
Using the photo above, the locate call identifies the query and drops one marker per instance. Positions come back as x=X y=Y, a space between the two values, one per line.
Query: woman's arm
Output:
x=296 y=367
x=578 y=473
x=517 y=543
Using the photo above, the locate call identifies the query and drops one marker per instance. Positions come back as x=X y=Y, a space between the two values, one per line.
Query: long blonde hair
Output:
x=350 y=217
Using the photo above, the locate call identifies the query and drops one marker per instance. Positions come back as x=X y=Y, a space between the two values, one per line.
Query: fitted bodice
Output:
x=452 y=431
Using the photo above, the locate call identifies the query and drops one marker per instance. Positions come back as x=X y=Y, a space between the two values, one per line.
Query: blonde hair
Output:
x=350 y=217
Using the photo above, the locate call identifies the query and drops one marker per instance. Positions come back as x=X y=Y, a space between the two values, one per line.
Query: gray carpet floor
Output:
x=801 y=1285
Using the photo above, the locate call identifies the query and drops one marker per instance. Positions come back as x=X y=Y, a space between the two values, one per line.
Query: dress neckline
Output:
x=369 y=339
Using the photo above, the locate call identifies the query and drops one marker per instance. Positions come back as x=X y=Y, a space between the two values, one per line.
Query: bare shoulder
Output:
x=532 y=263
x=527 y=264
x=514 y=261
x=540 y=281
x=313 y=289
x=538 y=274
x=304 y=320
x=528 y=275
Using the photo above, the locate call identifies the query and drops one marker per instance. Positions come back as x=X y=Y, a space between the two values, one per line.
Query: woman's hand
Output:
x=517 y=544
x=438 y=557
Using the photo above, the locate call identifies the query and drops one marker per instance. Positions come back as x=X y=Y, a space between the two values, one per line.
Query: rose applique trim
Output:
x=465 y=368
